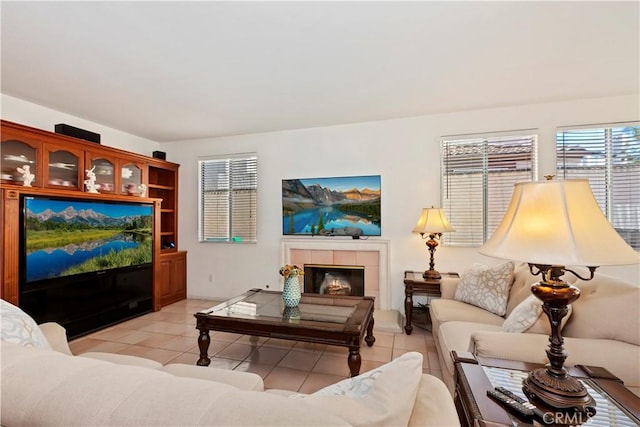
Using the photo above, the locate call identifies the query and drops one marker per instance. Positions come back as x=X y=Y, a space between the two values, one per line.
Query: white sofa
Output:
x=603 y=328
x=42 y=383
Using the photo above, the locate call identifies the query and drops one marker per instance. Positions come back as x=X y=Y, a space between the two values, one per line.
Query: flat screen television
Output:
x=340 y=206
x=64 y=237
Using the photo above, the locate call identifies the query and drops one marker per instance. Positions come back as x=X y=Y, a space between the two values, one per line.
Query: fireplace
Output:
x=334 y=279
x=373 y=254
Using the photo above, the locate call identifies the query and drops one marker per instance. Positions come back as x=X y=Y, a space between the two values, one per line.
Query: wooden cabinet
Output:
x=173 y=284
x=64 y=167
x=57 y=165
x=20 y=152
x=163 y=184
x=132 y=177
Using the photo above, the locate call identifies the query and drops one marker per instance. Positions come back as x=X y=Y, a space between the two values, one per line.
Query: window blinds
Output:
x=228 y=199
x=477 y=181
x=609 y=157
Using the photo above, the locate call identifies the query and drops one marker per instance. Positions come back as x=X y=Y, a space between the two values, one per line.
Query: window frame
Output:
x=602 y=184
x=490 y=218
x=252 y=212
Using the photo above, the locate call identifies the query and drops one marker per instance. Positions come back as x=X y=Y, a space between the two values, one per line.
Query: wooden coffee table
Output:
x=323 y=319
x=615 y=404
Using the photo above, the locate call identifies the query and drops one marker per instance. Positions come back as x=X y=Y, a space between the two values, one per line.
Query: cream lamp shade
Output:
x=558 y=223
x=432 y=221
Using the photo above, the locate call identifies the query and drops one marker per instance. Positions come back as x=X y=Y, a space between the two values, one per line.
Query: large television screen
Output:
x=341 y=206
x=64 y=237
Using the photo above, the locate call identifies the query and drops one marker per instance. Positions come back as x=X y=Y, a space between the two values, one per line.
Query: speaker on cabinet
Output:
x=75 y=132
x=160 y=155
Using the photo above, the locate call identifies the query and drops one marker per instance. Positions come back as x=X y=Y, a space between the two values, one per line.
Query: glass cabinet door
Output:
x=130 y=179
x=105 y=177
x=18 y=163
x=63 y=167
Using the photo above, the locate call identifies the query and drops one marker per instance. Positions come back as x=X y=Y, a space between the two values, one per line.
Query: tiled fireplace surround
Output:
x=372 y=254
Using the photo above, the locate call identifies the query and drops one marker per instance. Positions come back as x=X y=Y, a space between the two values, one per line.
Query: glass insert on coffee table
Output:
x=322 y=319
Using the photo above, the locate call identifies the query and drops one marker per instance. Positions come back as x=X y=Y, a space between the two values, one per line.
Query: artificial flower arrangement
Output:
x=291 y=271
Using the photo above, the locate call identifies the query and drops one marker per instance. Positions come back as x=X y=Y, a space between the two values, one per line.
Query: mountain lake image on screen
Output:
x=342 y=206
x=64 y=237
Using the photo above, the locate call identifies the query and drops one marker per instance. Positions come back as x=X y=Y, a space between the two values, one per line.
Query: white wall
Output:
x=405 y=152
x=26 y=113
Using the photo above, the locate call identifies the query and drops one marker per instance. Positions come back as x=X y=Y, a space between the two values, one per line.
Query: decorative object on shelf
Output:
x=90 y=182
x=27 y=176
x=143 y=190
x=432 y=223
x=291 y=292
x=132 y=189
x=551 y=225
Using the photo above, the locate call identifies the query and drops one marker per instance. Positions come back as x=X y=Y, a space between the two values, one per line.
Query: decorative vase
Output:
x=291 y=293
x=291 y=313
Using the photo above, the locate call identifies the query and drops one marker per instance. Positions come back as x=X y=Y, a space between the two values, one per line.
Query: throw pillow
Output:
x=529 y=317
x=486 y=287
x=384 y=396
x=19 y=328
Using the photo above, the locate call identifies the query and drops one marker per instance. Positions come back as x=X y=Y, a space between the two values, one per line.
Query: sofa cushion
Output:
x=383 y=396
x=122 y=359
x=486 y=287
x=44 y=387
x=457 y=336
x=448 y=310
x=239 y=379
x=528 y=316
x=608 y=308
x=433 y=406
x=19 y=328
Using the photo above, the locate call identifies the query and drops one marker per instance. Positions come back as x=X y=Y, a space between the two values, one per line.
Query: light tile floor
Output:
x=169 y=336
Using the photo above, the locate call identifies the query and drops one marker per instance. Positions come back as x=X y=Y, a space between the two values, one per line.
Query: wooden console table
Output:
x=415 y=283
x=615 y=404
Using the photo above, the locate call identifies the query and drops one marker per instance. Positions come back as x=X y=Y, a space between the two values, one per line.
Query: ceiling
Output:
x=171 y=71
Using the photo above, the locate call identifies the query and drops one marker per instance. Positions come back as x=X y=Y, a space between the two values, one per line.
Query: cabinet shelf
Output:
x=162 y=187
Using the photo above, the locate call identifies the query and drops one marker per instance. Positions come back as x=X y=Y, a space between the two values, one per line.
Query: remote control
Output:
x=537 y=412
x=511 y=404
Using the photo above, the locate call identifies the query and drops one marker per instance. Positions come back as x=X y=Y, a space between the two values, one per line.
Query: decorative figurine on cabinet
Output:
x=27 y=176
x=143 y=190
x=90 y=182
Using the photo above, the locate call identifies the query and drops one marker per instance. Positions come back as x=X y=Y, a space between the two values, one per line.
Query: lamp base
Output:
x=562 y=393
x=431 y=275
x=552 y=385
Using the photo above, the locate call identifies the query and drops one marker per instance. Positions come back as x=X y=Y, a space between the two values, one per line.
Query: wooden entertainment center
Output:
x=58 y=164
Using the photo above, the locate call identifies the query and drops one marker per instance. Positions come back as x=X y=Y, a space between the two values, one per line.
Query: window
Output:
x=478 y=174
x=228 y=198
x=609 y=157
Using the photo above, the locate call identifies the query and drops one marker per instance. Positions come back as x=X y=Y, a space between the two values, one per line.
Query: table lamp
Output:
x=432 y=223
x=552 y=225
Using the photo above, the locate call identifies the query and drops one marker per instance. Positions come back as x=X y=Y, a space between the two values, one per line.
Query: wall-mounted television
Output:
x=340 y=206
x=63 y=237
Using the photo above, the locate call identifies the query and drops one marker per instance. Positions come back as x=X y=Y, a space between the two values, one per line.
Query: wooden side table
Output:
x=414 y=283
x=615 y=404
